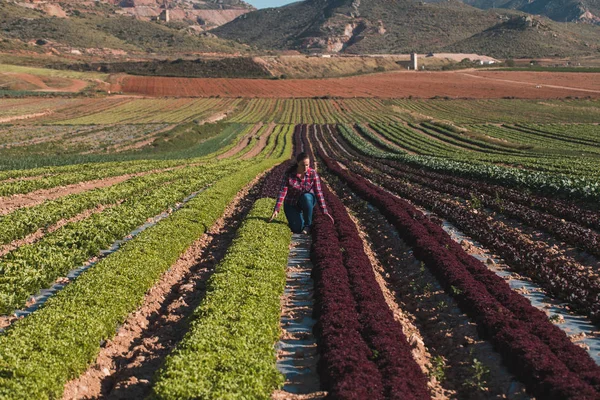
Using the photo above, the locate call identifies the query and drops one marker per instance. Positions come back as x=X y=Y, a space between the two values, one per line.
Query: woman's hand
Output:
x=275 y=213
x=331 y=218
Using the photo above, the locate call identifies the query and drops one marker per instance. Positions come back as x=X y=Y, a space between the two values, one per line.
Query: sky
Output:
x=268 y=3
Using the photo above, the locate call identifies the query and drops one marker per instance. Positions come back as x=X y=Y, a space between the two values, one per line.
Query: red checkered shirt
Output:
x=292 y=187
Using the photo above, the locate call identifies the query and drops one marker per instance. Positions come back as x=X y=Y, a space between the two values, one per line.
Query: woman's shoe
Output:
x=306 y=230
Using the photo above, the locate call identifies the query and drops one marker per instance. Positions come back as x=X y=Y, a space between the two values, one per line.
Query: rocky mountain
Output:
x=587 y=11
x=401 y=26
x=100 y=29
x=200 y=14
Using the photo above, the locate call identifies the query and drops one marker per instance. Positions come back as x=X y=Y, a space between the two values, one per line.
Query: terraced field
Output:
x=138 y=261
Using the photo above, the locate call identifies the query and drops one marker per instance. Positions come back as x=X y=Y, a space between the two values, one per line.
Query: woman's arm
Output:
x=282 y=192
x=319 y=193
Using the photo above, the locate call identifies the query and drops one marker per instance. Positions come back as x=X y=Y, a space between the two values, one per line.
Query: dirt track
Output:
x=423 y=84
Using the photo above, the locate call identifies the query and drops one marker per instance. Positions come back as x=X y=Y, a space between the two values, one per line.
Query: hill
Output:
x=533 y=37
x=99 y=31
x=388 y=26
x=558 y=10
x=202 y=15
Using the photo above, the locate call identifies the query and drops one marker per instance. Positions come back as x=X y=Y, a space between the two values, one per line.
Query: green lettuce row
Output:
x=49 y=177
x=542 y=182
x=228 y=352
x=30 y=268
x=27 y=220
x=40 y=353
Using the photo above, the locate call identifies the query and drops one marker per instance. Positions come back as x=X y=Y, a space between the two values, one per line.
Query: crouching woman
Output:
x=299 y=193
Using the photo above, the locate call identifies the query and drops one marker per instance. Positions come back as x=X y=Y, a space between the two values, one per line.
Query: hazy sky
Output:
x=268 y=3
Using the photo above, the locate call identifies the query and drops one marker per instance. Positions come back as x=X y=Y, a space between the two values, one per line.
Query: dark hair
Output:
x=301 y=157
x=292 y=169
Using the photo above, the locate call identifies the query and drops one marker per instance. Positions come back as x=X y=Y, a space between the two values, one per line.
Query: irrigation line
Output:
x=44 y=294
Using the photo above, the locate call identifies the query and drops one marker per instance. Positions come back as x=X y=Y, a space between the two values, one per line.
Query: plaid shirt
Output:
x=293 y=187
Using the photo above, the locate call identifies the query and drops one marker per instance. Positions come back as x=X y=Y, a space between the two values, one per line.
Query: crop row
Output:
x=27 y=220
x=56 y=343
x=293 y=111
x=228 y=350
x=144 y=111
x=35 y=266
x=541 y=182
x=402 y=377
x=346 y=365
x=49 y=177
x=559 y=275
x=584 y=238
x=500 y=110
x=556 y=207
x=539 y=353
x=480 y=146
x=32 y=267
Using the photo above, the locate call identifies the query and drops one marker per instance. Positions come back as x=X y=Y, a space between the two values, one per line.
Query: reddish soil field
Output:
x=463 y=84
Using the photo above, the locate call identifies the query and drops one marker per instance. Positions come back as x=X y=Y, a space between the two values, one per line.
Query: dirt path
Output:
x=386 y=140
x=262 y=143
x=126 y=364
x=534 y=85
x=40 y=233
x=451 y=342
x=25 y=116
x=10 y=203
x=242 y=143
x=297 y=353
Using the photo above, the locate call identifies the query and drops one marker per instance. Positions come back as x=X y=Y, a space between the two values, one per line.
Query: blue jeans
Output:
x=300 y=215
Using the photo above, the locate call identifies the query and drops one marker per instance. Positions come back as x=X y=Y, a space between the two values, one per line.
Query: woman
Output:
x=300 y=190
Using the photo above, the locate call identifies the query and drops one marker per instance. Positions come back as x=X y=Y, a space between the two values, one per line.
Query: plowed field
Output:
x=470 y=84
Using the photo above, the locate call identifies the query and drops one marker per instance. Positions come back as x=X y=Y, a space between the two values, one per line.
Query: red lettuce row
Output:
x=572 y=355
x=559 y=275
x=529 y=358
x=557 y=207
x=584 y=238
x=345 y=366
x=403 y=378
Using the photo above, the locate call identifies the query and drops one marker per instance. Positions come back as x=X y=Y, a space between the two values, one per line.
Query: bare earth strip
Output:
x=11 y=203
x=262 y=143
x=126 y=364
x=40 y=233
x=420 y=84
x=242 y=143
x=16 y=201
x=451 y=342
x=26 y=116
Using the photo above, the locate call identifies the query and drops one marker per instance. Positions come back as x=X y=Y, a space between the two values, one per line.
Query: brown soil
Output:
x=66 y=84
x=142 y=143
x=242 y=143
x=448 y=335
x=25 y=116
x=309 y=357
x=11 y=203
x=126 y=364
x=419 y=352
x=384 y=139
x=549 y=79
x=262 y=143
x=530 y=85
x=40 y=233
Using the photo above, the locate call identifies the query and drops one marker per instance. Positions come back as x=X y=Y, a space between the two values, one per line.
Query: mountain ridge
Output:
x=392 y=26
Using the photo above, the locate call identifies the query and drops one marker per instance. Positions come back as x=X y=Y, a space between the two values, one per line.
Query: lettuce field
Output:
x=137 y=259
